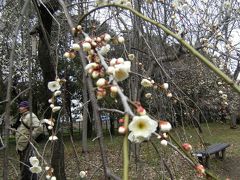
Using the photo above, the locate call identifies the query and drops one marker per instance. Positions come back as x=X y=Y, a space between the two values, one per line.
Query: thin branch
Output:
x=177 y=37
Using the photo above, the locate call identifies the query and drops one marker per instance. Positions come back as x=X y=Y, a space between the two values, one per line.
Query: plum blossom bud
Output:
x=165 y=86
x=119 y=61
x=50 y=127
x=53 y=138
x=93 y=43
x=47 y=168
x=50 y=101
x=165 y=126
x=98 y=39
x=148 y=95
x=121 y=120
x=75 y=47
x=164 y=142
x=141 y=111
x=122 y=130
x=220 y=83
x=169 y=94
x=66 y=55
x=86 y=46
x=56 y=108
x=224 y=96
x=110 y=70
x=88 y=39
x=83 y=174
x=220 y=92
x=187 y=146
x=101 y=93
x=53 y=178
x=52 y=106
x=95 y=74
x=165 y=135
x=57 y=93
x=146 y=83
x=101 y=82
x=131 y=57
x=107 y=37
x=114 y=89
x=200 y=169
x=121 y=39
x=70 y=55
x=113 y=62
x=79 y=27
x=48 y=176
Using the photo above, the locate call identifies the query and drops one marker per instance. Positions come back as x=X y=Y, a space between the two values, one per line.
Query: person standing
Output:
x=30 y=127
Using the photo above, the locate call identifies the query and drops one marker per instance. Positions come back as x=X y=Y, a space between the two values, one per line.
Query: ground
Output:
x=149 y=164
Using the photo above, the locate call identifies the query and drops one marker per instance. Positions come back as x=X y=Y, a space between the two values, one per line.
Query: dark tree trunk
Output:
x=47 y=62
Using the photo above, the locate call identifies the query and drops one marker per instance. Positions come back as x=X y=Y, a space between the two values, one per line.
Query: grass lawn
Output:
x=147 y=163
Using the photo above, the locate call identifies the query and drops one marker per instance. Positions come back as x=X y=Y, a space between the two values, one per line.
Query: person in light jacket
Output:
x=30 y=127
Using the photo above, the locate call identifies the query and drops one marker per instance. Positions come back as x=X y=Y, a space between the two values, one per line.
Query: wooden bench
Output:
x=204 y=155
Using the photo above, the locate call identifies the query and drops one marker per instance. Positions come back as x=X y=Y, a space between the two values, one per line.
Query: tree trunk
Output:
x=49 y=74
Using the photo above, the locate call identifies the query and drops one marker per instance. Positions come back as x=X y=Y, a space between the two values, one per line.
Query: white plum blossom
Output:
x=220 y=92
x=34 y=161
x=36 y=169
x=53 y=138
x=141 y=127
x=56 y=108
x=54 y=86
x=121 y=71
x=135 y=139
x=146 y=83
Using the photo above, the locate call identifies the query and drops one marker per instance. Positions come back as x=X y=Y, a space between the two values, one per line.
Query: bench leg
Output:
x=223 y=154
x=207 y=161
x=217 y=155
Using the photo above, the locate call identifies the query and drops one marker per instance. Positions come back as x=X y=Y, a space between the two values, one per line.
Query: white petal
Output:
x=36 y=169
x=34 y=161
x=53 y=86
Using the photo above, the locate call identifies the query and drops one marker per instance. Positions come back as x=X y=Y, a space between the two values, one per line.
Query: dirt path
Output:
x=230 y=168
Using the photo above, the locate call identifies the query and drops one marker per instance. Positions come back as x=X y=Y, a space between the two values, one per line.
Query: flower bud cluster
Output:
x=121 y=129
